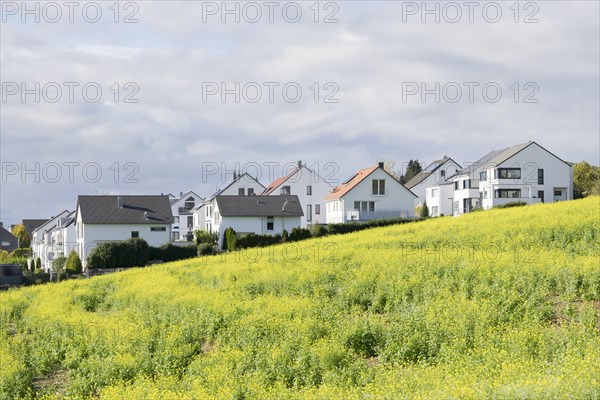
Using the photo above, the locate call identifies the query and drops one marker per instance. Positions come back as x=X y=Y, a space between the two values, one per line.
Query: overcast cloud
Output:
x=177 y=50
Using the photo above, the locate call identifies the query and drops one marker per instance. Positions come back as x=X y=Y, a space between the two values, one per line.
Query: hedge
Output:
x=512 y=204
x=124 y=254
x=170 y=252
x=254 y=240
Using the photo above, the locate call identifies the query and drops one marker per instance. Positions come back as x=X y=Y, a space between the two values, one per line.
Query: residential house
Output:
x=8 y=241
x=310 y=188
x=371 y=193
x=183 y=219
x=435 y=173
x=242 y=185
x=525 y=172
x=63 y=239
x=256 y=214
x=113 y=218
x=30 y=225
x=41 y=240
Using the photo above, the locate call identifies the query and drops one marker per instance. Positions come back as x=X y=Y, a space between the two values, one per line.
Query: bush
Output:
x=38 y=264
x=4 y=256
x=202 y=236
x=254 y=240
x=512 y=204
x=58 y=264
x=425 y=211
x=284 y=236
x=26 y=253
x=170 y=252
x=229 y=242
x=206 y=249
x=124 y=254
x=318 y=230
x=299 y=234
x=22 y=261
x=73 y=263
x=334 y=229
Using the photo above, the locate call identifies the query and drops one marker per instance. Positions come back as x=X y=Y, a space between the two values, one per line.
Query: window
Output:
x=190 y=221
x=371 y=206
x=158 y=229
x=378 y=187
x=540 y=176
x=317 y=209
x=240 y=191
x=435 y=192
x=175 y=235
x=135 y=234
x=509 y=173
x=285 y=190
x=357 y=206
x=467 y=184
x=270 y=223
x=541 y=195
x=309 y=213
x=189 y=203
x=442 y=173
x=250 y=192
x=456 y=185
x=558 y=192
x=483 y=175
x=364 y=206
x=508 y=193
x=434 y=211
x=309 y=190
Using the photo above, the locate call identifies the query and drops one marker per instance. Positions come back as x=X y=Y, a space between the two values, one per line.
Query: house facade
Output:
x=63 y=239
x=371 y=193
x=113 y=218
x=525 y=172
x=440 y=199
x=311 y=190
x=264 y=215
x=41 y=240
x=8 y=241
x=433 y=174
x=183 y=218
x=241 y=185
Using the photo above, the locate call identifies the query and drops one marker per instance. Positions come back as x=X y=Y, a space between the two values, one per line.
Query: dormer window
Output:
x=285 y=190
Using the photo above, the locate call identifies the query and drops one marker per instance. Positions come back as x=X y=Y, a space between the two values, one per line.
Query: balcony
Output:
x=185 y=211
x=370 y=215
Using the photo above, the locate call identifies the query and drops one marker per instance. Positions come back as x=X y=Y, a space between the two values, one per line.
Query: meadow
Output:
x=495 y=304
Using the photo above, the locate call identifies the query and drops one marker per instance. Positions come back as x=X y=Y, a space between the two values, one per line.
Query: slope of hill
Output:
x=496 y=304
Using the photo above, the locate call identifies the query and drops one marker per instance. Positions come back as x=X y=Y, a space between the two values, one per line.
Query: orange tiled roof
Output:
x=344 y=188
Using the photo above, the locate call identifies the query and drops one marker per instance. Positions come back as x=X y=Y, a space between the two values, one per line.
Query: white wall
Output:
x=256 y=225
x=181 y=226
x=319 y=188
x=449 y=167
x=396 y=197
x=440 y=196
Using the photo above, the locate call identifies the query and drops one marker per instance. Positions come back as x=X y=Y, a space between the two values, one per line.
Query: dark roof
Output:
x=135 y=210
x=259 y=206
x=430 y=169
x=246 y=176
x=32 y=224
x=6 y=236
x=280 y=181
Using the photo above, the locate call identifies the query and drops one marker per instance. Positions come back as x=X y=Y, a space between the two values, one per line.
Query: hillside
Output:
x=495 y=304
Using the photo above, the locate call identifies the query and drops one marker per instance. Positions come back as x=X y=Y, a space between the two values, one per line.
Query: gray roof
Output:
x=493 y=158
x=259 y=206
x=430 y=169
x=32 y=224
x=6 y=236
x=141 y=209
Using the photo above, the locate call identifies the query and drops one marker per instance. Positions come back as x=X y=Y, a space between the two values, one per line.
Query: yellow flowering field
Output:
x=496 y=304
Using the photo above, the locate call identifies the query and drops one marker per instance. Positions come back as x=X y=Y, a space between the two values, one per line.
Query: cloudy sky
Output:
x=163 y=96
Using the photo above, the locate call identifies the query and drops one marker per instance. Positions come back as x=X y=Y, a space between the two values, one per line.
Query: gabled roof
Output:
x=141 y=209
x=32 y=224
x=51 y=223
x=245 y=175
x=184 y=197
x=259 y=206
x=280 y=181
x=430 y=169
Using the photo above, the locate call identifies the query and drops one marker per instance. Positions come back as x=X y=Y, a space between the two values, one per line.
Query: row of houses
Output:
x=525 y=172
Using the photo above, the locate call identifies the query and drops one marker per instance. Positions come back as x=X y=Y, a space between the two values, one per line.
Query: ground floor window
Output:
x=508 y=193
x=270 y=223
x=135 y=234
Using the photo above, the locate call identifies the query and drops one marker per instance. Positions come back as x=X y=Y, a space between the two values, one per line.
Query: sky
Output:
x=150 y=97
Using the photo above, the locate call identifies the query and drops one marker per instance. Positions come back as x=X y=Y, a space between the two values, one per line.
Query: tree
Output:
x=38 y=264
x=58 y=263
x=412 y=169
x=390 y=167
x=73 y=264
x=586 y=180
x=425 y=211
x=21 y=233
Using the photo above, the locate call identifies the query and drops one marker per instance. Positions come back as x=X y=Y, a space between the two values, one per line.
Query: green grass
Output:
x=498 y=304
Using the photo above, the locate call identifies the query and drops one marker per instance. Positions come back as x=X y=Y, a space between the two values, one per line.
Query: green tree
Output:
x=59 y=263
x=38 y=264
x=586 y=180
x=425 y=211
x=412 y=169
x=21 y=233
x=73 y=263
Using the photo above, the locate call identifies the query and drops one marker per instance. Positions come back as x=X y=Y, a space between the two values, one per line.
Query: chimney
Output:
x=381 y=164
x=180 y=194
x=1 y=225
x=120 y=201
x=299 y=164
x=145 y=215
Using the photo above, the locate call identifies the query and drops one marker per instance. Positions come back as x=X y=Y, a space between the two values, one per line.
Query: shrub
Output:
x=425 y=211
x=202 y=236
x=318 y=230
x=512 y=204
x=4 y=256
x=125 y=254
x=334 y=229
x=26 y=252
x=59 y=263
x=229 y=242
x=170 y=252
x=284 y=236
x=206 y=249
x=254 y=240
x=73 y=263
x=22 y=261
x=299 y=234
x=38 y=264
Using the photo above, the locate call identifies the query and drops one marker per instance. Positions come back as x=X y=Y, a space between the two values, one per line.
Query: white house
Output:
x=525 y=172
x=371 y=193
x=63 y=238
x=183 y=219
x=310 y=188
x=113 y=218
x=41 y=240
x=242 y=185
x=435 y=173
x=256 y=214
